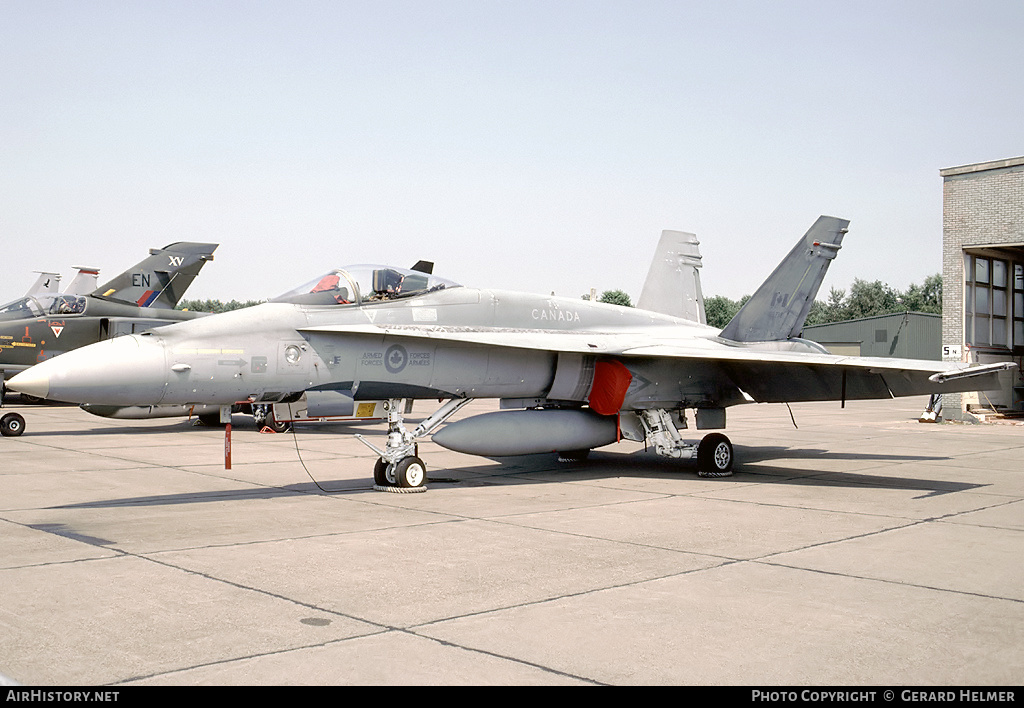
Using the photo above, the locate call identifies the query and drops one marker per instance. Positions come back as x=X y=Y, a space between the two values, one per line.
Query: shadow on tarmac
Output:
x=543 y=469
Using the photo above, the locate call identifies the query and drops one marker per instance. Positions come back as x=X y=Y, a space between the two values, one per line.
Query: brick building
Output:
x=983 y=276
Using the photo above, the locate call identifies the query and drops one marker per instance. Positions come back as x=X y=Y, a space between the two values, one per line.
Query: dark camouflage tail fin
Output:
x=161 y=279
x=779 y=307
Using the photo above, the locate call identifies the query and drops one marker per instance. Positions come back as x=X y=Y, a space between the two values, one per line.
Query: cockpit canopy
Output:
x=43 y=304
x=361 y=284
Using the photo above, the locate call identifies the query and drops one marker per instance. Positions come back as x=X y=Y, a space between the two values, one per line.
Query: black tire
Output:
x=12 y=425
x=278 y=426
x=410 y=473
x=380 y=473
x=714 y=456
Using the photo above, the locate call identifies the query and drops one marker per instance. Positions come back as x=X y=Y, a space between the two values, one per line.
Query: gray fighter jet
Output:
x=571 y=375
x=319 y=407
x=46 y=322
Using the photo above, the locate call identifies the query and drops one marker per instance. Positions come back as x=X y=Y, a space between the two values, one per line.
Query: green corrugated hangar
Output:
x=905 y=335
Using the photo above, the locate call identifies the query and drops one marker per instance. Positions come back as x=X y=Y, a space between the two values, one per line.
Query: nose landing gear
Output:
x=398 y=468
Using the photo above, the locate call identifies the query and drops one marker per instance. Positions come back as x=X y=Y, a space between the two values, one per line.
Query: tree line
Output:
x=215 y=306
x=865 y=299
x=613 y=297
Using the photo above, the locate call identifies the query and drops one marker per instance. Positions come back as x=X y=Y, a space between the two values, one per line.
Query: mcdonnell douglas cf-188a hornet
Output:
x=571 y=375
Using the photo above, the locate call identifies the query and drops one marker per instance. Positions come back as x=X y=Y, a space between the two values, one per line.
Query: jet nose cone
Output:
x=121 y=371
x=31 y=382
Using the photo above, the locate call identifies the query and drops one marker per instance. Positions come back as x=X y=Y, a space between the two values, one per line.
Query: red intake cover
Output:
x=611 y=380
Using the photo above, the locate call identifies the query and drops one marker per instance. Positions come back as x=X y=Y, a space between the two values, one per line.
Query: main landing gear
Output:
x=714 y=456
x=398 y=468
x=713 y=453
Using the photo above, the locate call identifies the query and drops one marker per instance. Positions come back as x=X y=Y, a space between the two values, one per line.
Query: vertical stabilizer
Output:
x=673 y=281
x=45 y=283
x=84 y=282
x=161 y=279
x=779 y=307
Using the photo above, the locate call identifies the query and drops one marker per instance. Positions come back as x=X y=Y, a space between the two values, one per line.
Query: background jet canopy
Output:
x=48 y=304
x=359 y=284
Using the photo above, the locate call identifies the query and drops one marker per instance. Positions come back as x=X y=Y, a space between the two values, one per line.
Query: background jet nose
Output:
x=124 y=370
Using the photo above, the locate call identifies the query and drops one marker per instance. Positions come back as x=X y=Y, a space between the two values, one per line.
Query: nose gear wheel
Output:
x=399 y=469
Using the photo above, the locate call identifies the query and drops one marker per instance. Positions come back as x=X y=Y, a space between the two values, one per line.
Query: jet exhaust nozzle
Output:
x=528 y=432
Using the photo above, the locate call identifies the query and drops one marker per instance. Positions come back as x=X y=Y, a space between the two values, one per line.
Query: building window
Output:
x=988 y=318
x=1018 y=305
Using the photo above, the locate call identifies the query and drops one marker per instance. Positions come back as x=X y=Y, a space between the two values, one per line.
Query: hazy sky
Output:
x=537 y=146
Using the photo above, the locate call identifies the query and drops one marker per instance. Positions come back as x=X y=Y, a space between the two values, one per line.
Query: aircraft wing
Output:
x=765 y=375
x=584 y=342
